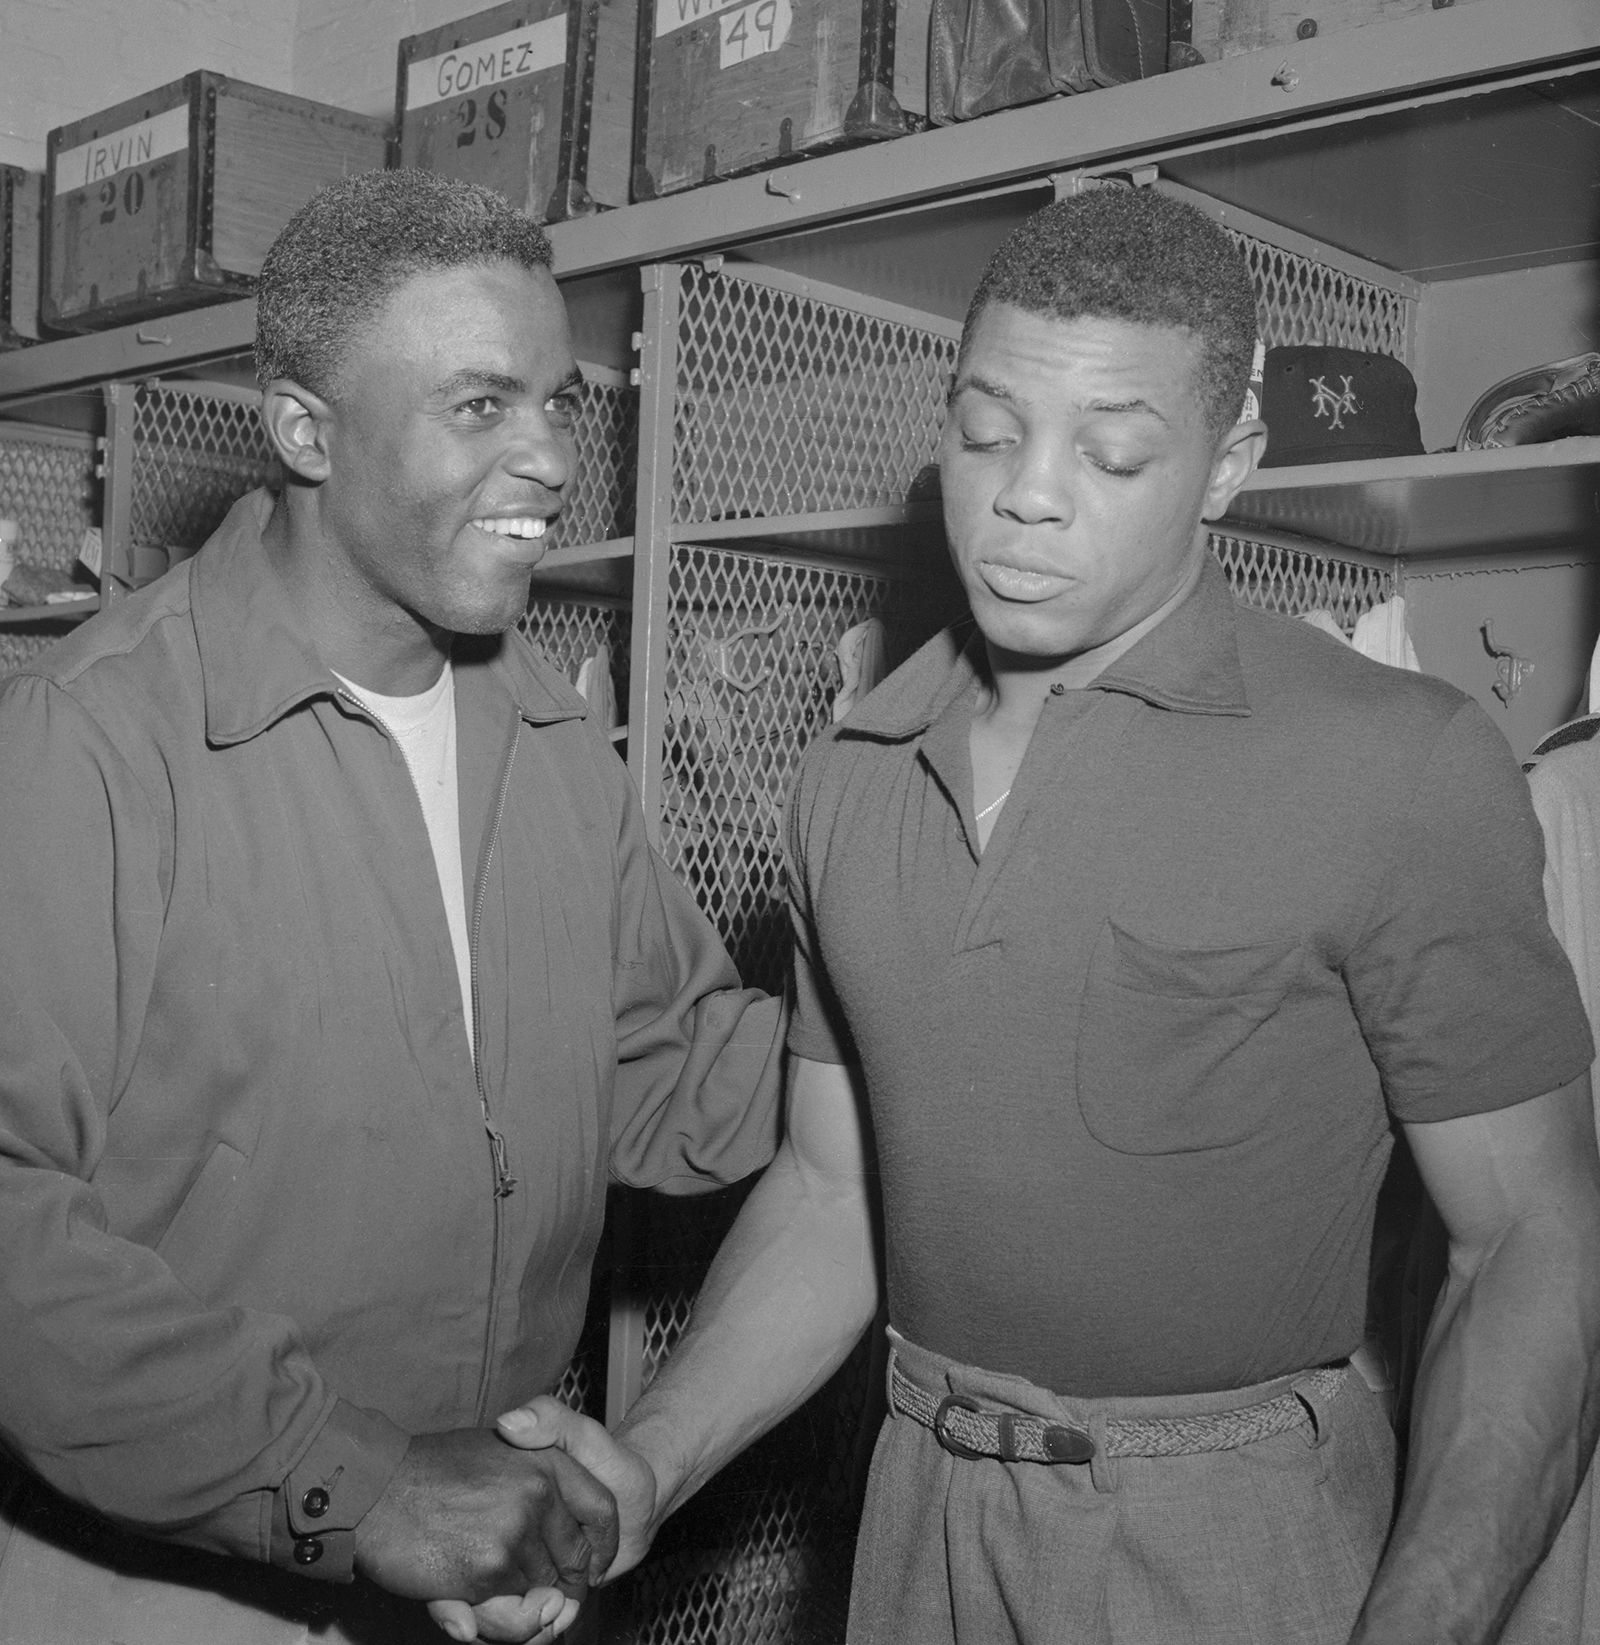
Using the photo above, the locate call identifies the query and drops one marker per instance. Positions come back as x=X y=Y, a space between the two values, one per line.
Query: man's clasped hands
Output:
x=525 y=1520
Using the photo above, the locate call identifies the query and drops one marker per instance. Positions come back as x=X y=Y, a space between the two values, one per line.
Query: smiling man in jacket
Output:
x=337 y=979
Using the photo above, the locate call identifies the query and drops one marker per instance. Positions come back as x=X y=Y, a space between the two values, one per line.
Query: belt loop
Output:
x=1103 y=1469
x=1312 y=1392
x=888 y=1370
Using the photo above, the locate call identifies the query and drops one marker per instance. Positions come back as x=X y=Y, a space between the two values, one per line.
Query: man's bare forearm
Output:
x=792 y=1289
x=1503 y=1428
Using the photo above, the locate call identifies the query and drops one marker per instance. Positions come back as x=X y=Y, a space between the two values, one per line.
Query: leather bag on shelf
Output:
x=985 y=55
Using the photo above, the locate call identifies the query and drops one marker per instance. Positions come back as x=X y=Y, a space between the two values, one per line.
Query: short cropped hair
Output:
x=1132 y=254
x=352 y=245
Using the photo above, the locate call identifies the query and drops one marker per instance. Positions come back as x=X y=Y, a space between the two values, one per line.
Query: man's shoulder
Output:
x=127 y=652
x=901 y=705
x=1293 y=667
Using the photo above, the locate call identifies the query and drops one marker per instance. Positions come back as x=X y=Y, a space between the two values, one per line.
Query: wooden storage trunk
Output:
x=171 y=199
x=533 y=99
x=728 y=86
x=21 y=207
x=1222 y=28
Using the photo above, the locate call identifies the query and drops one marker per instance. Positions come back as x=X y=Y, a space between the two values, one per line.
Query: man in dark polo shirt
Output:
x=1129 y=921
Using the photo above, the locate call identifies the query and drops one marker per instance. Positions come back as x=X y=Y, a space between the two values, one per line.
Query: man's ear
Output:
x=1238 y=453
x=297 y=423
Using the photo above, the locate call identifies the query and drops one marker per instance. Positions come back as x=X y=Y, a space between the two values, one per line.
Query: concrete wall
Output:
x=345 y=51
x=63 y=59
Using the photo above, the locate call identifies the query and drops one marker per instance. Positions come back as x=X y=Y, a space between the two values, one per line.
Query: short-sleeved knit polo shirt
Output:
x=1132 y=1068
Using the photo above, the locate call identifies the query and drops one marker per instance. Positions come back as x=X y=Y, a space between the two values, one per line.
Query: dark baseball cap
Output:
x=1333 y=405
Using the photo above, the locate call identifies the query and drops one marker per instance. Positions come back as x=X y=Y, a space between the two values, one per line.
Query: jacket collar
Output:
x=1188 y=663
x=255 y=663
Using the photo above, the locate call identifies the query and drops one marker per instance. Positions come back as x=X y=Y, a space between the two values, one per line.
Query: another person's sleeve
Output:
x=118 y=1385
x=1464 y=996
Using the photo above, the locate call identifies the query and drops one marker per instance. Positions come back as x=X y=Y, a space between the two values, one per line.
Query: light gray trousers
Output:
x=1272 y=1543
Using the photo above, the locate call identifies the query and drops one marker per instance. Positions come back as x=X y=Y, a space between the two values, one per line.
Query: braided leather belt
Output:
x=965 y=1429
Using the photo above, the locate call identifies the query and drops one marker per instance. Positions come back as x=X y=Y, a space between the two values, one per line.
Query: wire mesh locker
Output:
x=197 y=448
x=571 y=626
x=599 y=507
x=569 y=631
x=1294 y=578
x=1307 y=292
x=792 y=403
x=48 y=486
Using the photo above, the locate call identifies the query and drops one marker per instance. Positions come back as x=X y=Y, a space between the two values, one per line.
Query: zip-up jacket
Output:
x=262 y=1214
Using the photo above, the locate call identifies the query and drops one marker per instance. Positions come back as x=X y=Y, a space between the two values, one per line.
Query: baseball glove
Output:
x=1547 y=403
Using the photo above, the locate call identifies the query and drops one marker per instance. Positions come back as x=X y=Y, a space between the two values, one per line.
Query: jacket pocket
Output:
x=1177 y=1046
x=201 y=1236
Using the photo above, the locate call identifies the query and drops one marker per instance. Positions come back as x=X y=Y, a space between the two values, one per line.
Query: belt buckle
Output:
x=957 y=1402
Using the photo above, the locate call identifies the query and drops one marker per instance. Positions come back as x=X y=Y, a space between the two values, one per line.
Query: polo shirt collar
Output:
x=256 y=664
x=1188 y=663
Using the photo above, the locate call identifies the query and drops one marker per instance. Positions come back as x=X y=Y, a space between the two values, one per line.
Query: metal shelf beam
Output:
x=1522 y=498
x=1333 y=74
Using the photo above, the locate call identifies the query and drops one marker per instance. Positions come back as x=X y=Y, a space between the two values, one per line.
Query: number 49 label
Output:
x=750 y=31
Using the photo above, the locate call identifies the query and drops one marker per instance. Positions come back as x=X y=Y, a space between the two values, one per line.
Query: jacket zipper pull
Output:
x=504 y=1182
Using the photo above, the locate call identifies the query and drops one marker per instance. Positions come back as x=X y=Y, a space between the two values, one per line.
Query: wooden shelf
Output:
x=1522 y=498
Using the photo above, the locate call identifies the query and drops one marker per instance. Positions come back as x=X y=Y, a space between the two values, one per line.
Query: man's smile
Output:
x=517 y=537
x=522 y=525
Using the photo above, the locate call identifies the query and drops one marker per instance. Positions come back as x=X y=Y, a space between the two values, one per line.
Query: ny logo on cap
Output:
x=1325 y=402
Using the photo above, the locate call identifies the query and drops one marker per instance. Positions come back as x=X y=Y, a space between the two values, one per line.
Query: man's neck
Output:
x=386 y=649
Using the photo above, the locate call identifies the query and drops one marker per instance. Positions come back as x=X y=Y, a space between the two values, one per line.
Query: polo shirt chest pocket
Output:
x=1182 y=1049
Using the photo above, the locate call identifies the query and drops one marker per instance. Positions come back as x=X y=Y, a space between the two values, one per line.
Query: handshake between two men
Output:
x=587 y=1515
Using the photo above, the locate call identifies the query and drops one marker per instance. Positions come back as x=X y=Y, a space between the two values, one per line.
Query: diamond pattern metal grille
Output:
x=196 y=452
x=788 y=405
x=1302 y=301
x=568 y=632
x=751 y=676
x=1291 y=580
x=583 y=1383
x=47 y=486
x=599 y=506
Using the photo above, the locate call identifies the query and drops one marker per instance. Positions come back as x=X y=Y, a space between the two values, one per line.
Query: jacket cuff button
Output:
x=316 y=1502
x=307 y=1550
